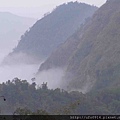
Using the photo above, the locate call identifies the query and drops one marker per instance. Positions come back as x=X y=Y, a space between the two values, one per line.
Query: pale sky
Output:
x=36 y=8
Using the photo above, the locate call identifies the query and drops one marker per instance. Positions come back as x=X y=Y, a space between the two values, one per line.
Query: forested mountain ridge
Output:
x=52 y=30
x=94 y=64
x=60 y=57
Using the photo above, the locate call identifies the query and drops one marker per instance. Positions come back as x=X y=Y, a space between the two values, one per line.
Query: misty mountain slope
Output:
x=94 y=64
x=11 y=28
x=59 y=58
x=50 y=31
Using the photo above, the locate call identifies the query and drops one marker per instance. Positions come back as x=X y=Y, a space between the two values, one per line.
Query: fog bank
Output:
x=24 y=72
x=53 y=77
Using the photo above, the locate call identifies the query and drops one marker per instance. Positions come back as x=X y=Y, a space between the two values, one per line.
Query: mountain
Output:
x=11 y=28
x=59 y=57
x=94 y=61
x=50 y=31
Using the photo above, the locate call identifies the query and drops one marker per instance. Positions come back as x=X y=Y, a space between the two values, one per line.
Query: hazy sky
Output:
x=36 y=8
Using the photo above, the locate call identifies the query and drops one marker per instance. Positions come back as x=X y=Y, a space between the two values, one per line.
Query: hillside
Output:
x=59 y=58
x=49 y=32
x=94 y=64
x=11 y=28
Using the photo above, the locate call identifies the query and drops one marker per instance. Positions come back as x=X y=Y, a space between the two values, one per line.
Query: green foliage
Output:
x=23 y=98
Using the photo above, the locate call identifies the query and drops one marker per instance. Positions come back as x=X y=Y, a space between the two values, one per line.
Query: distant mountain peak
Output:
x=52 y=30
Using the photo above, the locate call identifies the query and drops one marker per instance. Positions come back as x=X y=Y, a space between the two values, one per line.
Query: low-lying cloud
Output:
x=53 y=77
x=19 y=58
x=24 y=72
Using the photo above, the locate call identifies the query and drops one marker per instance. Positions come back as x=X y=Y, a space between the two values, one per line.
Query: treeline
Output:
x=25 y=98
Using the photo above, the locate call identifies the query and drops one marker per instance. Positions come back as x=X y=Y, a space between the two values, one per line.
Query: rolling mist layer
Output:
x=53 y=77
x=22 y=71
x=28 y=71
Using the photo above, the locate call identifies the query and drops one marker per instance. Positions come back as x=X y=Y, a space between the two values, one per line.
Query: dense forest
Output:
x=23 y=98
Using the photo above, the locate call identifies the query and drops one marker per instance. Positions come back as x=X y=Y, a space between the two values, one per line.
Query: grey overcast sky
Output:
x=36 y=8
